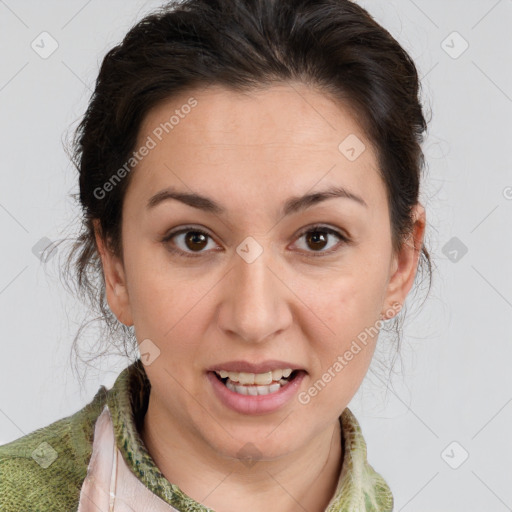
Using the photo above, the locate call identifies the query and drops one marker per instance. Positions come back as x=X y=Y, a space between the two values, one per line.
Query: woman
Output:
x=249 y=178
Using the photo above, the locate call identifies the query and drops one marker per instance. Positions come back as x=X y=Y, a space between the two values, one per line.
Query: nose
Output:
x=256 y=300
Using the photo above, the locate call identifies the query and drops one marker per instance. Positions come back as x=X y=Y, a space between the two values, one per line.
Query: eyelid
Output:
x=185 y=229
x=325 y=227
x=344 y=240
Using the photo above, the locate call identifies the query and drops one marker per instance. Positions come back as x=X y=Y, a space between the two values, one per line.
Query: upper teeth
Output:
x=261 y=379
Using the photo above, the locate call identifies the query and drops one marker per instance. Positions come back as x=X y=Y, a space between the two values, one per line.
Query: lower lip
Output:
x=259 y=404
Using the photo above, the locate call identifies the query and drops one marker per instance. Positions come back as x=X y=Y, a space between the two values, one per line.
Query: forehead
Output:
x=288 y=137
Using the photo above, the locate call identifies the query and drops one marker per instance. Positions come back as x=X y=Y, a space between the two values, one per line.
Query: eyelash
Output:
x=313 y=254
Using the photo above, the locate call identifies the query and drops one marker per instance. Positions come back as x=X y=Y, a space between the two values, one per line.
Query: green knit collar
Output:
x=359 y=486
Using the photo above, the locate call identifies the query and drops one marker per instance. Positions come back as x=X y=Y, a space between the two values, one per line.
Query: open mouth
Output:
x=258 y=389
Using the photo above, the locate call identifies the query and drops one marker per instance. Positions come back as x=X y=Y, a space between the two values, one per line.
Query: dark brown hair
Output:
x=243 y=45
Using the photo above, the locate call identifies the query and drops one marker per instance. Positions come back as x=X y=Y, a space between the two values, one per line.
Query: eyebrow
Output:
x=292 y=205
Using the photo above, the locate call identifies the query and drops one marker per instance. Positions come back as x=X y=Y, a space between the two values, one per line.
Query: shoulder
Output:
x=44 y=470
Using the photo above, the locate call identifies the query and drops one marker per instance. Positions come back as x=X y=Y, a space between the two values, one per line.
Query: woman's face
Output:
x=259 y=286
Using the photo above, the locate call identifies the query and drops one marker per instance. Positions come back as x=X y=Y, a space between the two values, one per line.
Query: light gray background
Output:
x=455 y=381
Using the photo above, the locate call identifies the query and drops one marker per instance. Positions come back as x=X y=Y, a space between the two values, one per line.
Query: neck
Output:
x=305 y=479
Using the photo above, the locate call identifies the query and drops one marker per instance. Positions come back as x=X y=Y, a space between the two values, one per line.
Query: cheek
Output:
x=342 y=313
x=346 y=346
x=167 y=308
x=164 y=309
x=346 y=300
x=157 y=299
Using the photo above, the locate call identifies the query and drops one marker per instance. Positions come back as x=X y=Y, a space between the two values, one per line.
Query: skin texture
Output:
x=251 y=152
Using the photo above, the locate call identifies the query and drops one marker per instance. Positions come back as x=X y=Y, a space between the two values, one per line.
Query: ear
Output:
x=115 y=279
x=405 y=263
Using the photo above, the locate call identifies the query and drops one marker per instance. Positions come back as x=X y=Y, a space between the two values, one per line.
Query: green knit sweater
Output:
x=44 y=470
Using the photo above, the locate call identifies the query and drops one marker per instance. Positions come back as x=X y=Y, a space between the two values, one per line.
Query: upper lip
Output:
x=245 y=366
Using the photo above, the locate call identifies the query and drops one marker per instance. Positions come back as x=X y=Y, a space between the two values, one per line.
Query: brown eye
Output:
x=195 y=240
x=187 y=242
x=318 y=237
